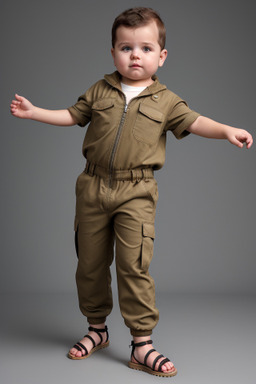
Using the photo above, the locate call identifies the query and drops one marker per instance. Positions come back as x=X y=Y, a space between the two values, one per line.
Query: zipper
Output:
x=116 y=144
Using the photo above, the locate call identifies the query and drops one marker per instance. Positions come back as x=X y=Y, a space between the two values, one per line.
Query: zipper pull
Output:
x=125 y=108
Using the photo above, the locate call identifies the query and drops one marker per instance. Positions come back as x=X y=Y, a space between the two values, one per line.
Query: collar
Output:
x=114 y=79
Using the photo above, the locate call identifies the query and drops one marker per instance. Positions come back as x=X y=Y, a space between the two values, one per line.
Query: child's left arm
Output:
x=205 y=127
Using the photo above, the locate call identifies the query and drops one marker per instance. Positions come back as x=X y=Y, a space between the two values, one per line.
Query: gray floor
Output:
x=211 y=339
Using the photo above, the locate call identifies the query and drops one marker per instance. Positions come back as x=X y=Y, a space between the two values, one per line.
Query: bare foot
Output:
x=87 y=343
x=140 y=353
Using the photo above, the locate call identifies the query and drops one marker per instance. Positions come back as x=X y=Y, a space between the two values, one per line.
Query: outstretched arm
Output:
x=24 y=109
x=205 y=127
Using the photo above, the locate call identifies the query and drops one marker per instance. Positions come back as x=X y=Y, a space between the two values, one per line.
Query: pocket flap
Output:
x=152 y=113
x=148 y=230
x=102 y=104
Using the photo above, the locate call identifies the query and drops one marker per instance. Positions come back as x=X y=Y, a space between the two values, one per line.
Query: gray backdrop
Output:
x=51 y=52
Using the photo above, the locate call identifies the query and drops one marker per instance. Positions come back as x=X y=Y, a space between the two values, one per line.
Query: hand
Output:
x=239 y=136
x=21 y=107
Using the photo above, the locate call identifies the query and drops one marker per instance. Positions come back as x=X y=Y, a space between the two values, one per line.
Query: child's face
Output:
x=137 y=54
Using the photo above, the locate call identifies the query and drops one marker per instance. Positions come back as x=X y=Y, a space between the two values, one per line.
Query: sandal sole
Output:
x=140 y=367
x=97 y=348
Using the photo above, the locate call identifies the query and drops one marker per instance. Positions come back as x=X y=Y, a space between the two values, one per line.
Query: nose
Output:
x=135 y=53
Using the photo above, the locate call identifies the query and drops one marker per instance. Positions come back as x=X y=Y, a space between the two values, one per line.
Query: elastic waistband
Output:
x=130 y=174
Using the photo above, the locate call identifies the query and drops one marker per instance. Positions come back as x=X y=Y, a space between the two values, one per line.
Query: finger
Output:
x=238 y=143
x=13 y=108
x=18 y=97
x=15 y=102
x=14 y=112
x=249 y=143
x=247 y=139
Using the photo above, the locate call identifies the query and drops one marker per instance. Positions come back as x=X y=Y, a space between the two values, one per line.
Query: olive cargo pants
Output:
x=119 y=211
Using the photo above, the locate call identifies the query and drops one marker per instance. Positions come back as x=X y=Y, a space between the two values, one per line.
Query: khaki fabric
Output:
x=116 y=195
x=123 y=214
x=119 y=139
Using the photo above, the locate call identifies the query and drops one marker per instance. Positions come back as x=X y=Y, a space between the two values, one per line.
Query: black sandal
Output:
x=79 y=346
x=144 y=367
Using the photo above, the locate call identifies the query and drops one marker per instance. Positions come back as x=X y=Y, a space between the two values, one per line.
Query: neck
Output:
x=137 y=83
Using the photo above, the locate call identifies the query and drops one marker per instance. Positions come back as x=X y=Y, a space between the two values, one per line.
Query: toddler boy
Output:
x=129 y=112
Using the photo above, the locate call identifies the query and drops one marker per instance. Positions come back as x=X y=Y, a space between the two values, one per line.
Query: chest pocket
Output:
x=148 y=124
x=102 y=116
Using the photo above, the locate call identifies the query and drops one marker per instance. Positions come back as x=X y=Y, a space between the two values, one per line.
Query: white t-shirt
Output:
x=131 y=92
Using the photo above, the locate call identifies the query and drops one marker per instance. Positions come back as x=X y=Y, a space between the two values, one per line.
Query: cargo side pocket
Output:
x=148 y=235
x=76 y=235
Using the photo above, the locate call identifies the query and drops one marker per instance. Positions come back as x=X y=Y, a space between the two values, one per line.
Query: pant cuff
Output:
x=138 y=333
x=95 y=321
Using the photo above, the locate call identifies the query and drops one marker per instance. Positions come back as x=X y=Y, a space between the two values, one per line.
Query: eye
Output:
x=126 y=48
x=146 y=49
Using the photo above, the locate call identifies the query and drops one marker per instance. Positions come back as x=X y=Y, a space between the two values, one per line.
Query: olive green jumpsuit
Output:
x=116 y=196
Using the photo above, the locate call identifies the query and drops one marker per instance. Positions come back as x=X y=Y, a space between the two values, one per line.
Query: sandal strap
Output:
x=93 y=342
x=162 y=363
x=155 y=361
x=76 y=346
x=134 y=345
x=83 y=347
x=99 y=331
x=79 y=346
x=147 y=355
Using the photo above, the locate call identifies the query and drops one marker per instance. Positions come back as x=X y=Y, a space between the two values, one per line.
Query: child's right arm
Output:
x=23 y=109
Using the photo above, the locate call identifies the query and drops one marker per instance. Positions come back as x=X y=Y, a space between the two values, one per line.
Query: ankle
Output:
x=140 y=339
x=98 y=326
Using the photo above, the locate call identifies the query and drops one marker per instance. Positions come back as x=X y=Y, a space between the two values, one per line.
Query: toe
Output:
x=75 y=352
x=167 y=367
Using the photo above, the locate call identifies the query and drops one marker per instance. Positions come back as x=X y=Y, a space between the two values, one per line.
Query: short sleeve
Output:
x=180 y=118
x=81 y=111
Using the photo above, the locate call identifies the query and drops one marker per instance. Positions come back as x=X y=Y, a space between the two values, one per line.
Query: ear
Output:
x=113 y=54
x=163 y=56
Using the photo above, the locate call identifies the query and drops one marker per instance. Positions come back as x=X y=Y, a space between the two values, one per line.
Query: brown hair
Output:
x=138 y=17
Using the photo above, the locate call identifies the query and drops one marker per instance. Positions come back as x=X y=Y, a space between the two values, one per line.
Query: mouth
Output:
x=135 y=66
